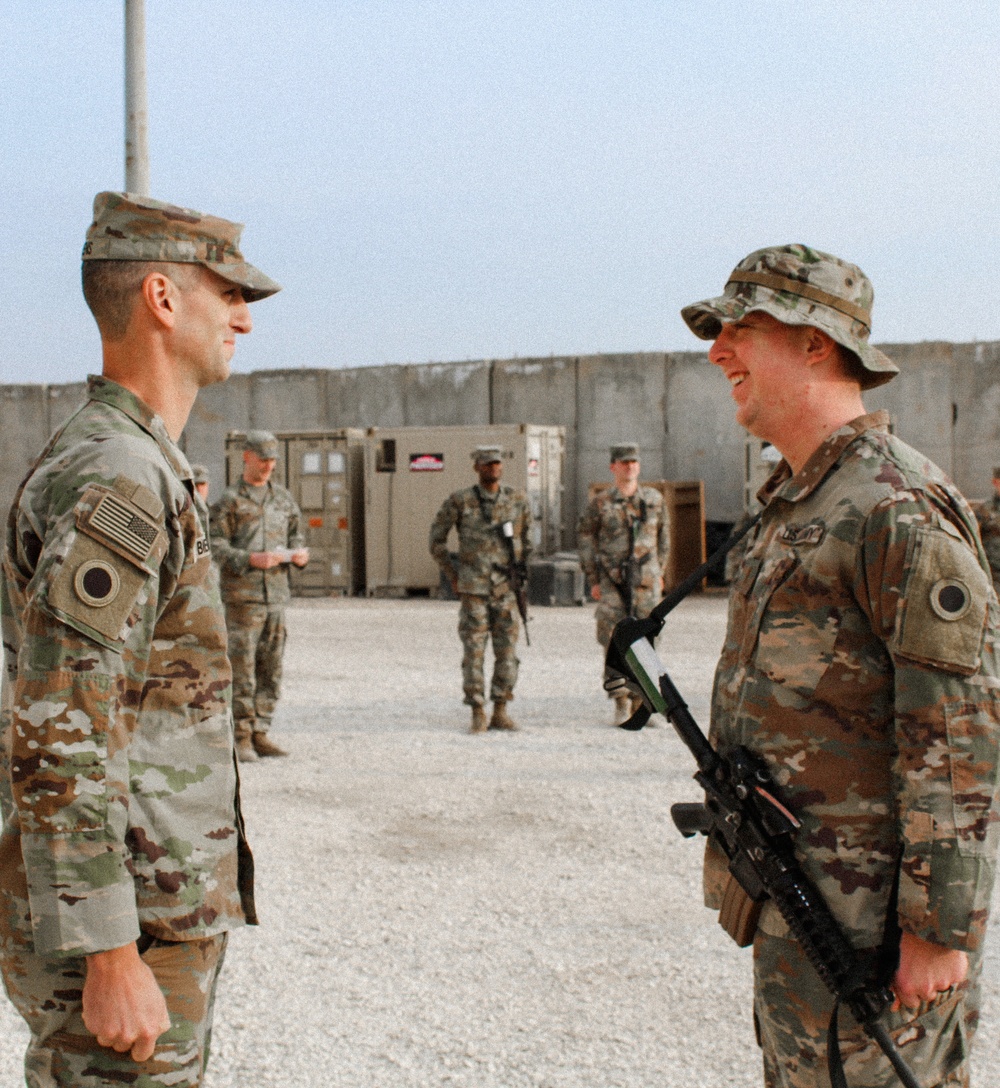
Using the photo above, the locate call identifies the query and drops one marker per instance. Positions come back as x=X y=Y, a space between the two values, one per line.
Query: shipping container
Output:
x=410 y=471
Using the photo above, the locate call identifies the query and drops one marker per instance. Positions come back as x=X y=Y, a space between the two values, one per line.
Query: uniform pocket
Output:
x=793 y=636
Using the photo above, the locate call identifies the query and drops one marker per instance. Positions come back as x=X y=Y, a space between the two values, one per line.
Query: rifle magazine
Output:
x=739 y=914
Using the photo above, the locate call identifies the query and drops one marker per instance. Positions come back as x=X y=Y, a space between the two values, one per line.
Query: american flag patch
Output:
x=123 y=526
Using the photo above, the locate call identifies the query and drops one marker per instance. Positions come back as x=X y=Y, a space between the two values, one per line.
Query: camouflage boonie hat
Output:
x=625 y=451
x=486 y=455
x=262 y=443
x=127 y=227
x=199 y=474
x=799 y=286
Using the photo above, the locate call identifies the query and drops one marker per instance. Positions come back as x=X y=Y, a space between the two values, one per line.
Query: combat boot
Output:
x=264 y=746
x=635 y=704
x=478 y=720
x=501 y=719
x=623 y=709
x=245 y=751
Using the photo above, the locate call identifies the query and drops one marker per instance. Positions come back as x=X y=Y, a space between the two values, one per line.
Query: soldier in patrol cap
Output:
x=122 y=858
x=624 y=538
x=256 y=536
x=988 y=516
x=861 y=663
x=199 y=474
x=494 y=524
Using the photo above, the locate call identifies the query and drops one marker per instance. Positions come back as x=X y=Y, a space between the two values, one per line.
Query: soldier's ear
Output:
x=159 y=296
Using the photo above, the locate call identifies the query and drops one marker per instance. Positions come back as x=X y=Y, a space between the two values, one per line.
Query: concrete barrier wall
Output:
x=946 y=403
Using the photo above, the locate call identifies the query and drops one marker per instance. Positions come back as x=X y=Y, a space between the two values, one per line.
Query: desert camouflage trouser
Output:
x=792 y=1011
x=256 y=647
x=495 y=616
x=63 y=1054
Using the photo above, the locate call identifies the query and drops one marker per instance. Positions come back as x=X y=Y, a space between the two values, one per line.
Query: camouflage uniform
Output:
x=861 y=661
x=249 y=519
x=988 y=515
x=608 y=523
x=118 y=787
x=488 y=608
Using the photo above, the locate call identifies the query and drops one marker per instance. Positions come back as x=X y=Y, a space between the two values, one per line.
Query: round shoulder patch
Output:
x=950 y=598
x=96 y=583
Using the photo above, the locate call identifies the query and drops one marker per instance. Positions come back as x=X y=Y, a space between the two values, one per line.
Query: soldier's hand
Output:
x=595 y=592
x=123 y=1005
x=264 y=560
x=925 y=970
x=300 y=557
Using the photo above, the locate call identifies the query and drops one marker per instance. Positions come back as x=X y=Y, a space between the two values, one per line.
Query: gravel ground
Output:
x=494 y=911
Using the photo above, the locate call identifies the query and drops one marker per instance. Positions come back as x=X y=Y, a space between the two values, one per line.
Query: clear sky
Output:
x=439 y=180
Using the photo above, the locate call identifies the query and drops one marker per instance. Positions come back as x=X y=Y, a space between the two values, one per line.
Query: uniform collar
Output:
x=793 y=488
x=486 y=494
x=125 y=401
x=248 y=488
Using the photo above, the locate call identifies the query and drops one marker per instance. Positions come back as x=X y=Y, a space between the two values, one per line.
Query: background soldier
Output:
x=255 y=535
x=624 y=537
x=861 y=664
x=493 y=523
x=988 y=516
x=122 y=859
x=199 y=474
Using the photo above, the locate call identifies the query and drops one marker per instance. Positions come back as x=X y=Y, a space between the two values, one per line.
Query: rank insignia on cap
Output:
x=96 y=583
x=950 y=598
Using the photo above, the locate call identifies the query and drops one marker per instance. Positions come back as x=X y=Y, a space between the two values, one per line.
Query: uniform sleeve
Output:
x=930 y=595
x=445 y=518
x=526 y=548
x=663 y=535
x=86 y=628
x=587 y=532
x=296 y=538
x=224 y=532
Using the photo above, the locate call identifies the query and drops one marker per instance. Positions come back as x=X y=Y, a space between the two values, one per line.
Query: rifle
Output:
x=516 y=575
x=744 y=814
x=628 y=568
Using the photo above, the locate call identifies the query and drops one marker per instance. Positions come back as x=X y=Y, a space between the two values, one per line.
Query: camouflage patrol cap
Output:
x=262 y=443
x=625 y=451
x=486 y=455
x=799 y=286
x=127 y=227
x=199 y=474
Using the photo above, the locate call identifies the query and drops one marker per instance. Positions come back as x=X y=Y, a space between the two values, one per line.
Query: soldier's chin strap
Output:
x=618 y=677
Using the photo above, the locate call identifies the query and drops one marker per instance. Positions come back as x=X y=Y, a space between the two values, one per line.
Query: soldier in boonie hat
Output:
x=127 y=227
x=487 y=455
x=262 y=443
x=799 y=286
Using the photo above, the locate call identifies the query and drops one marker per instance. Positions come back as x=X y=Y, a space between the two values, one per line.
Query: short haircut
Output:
x=111 y=288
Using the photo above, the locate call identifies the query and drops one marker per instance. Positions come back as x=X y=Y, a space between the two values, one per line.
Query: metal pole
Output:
x=136 y=147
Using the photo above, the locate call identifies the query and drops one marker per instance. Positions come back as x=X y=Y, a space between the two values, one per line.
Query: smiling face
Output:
x=765 y=363
x=211 y=314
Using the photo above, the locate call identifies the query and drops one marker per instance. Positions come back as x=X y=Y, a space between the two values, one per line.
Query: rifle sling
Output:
x=693 y=580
